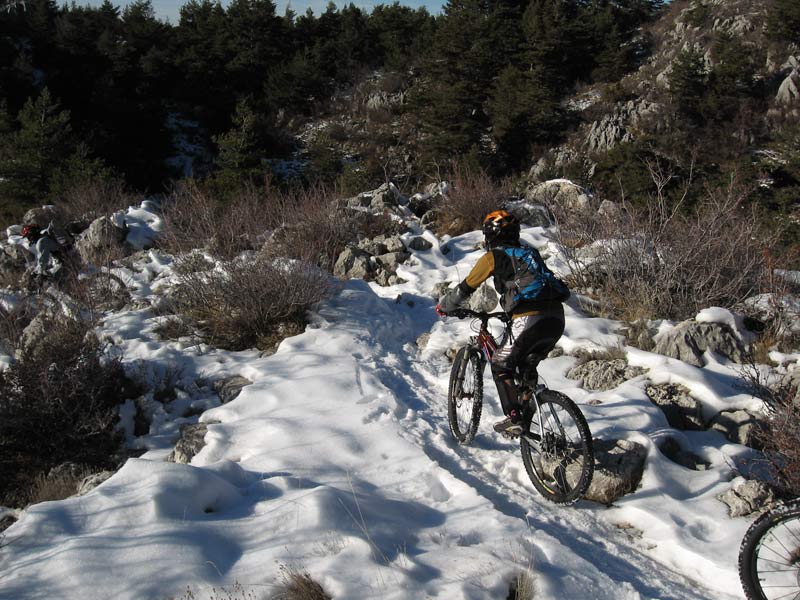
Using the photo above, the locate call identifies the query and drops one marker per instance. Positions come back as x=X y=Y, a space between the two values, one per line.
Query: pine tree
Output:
x=783 y=21
x=36 y=150
x=243 y=148
x=687 y=84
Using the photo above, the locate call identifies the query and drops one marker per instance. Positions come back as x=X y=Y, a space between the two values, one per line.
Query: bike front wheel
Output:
x=557 y=450
x=769 y=557
x=465 y=395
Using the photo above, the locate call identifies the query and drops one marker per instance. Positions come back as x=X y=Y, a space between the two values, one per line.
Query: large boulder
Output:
x=354 y=263
x=560 y=192
x=101 y=240
x=738 y=426
x=484 y=299
x=618 y=469
x=681 y=409
x=229 y=388
x=617 y=127
x=534 y=215
x=603 y=374
x=746 y=497
x=687 y=341
x=191 y=441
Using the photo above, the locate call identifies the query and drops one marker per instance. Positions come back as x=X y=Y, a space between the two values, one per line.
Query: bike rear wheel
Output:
x=769 y=557
x=557 y=450
x=465 y=395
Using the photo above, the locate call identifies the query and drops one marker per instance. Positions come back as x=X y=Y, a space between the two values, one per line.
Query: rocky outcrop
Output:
x=602 y=374
x=738 y=426
x=746 y=497
x=373 y=259
x=385 y=198
x=191 y=441
x=90 y=482
x=682 y=411
x=688 y=340
x=534 y=215
x=101 y=240
x=559 y=192
x=789 y=90
x=228 y=389
x=617 y=127
x=618 y=469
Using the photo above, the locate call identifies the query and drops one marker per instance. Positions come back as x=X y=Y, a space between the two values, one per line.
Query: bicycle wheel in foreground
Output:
x=769 y=557
x=557 y=452
x=465 y=395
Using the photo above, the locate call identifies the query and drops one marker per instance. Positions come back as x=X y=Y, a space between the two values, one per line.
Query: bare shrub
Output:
x=58 y=403
x=780 y=437
x=248 y=301
x=662 y=261
x=195 y=216
x=522 y=587
x=172 y=328
x=56 y=485
x=296 y=584
x=314 y=228
x=91 y=199
x=473 y=195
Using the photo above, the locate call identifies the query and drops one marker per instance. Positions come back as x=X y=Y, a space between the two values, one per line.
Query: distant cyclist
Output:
x=529 y=292
x=43 y=246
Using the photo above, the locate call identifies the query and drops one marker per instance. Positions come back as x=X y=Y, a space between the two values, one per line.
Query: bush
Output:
x=58 y=403
x=250 y=301
x=473 y=195
x=780 y=438
x=88 y=200
x=656 y=262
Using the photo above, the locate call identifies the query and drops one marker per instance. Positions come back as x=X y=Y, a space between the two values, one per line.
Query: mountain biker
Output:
x=537 y=323
x=43 y=245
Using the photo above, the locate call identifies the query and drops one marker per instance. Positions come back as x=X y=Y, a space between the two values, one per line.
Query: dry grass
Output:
x=522 y=587
x=663 y=262
x=90 y=200
x=474 y=194
x=780 y=437
x=296 y=584
x=56 y=486
x=249 y=301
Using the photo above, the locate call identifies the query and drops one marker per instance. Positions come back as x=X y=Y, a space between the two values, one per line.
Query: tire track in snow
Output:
x=423 y=421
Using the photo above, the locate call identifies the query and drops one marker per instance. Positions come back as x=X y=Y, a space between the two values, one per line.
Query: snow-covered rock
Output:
x=689 y=340
x=681 y=409
x=746 y=497
x=618 y=469
x=601 y=374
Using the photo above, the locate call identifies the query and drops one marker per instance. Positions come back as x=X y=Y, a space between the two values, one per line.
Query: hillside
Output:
x=335 y=458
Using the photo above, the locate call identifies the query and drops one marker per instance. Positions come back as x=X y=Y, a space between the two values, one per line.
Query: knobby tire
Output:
x=562 y=466
x=769 y=557
x=465 y=395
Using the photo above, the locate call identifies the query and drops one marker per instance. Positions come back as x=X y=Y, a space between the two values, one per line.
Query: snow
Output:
x=338 y=460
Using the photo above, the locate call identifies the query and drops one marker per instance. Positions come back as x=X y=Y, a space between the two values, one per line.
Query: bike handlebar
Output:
x=462 y=313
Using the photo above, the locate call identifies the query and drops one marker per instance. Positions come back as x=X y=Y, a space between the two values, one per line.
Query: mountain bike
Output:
x=556 y=444
x=769 y=557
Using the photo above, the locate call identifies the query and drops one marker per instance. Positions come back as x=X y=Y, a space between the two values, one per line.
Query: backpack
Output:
x=532 y=279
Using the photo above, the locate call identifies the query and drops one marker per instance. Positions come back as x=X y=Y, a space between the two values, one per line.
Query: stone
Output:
x=44 y=215
x=789 y=90
x=484 y=299
x=353 y=263
x=533 y=215
x=191 y=441
x=451 y=352
x=374 y=247
x=602 y=374
x=101 y=239
x=392 y=260
x=384 y=277
x=673 y=451
x=688 y=340
x=440 y=289
x=738 y=426
x=430 y=219
x=422 y=340
x=746 y=497
x=681 y=409
x=90 y=482
x=560 y=192
x=618 y=469
x=228 y=389
x=420 y=243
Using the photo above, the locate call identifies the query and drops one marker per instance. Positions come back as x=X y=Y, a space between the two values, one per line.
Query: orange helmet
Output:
x=500 y=226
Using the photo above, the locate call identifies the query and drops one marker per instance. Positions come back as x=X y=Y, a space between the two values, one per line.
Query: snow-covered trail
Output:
x=338 y=460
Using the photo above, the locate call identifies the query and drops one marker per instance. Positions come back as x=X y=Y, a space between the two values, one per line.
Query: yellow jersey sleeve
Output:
x=482 y=270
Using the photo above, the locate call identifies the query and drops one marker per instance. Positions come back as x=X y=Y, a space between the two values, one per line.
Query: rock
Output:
x=228 y=389
x=392 y=260
x=44 y=215
x=430 y=219
x=191 y=441
x=682 y=411
x=673 y=451
x=484 y=299
x=534 y=215
x=440 y=289
x=420 y=243
x=601 y=374
x=373 y=247
x=746 y=497
x=101 y=240
x=422 y=341
x=618 y=126
x=738 y=426
x=561 y=192
x=34 y=334
x=6 y=521
x=618 y=469
x=384 y=278
x=90 y=482
x=451 y=352
x=789 y=90
x=353 y=263
x=688 y=340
